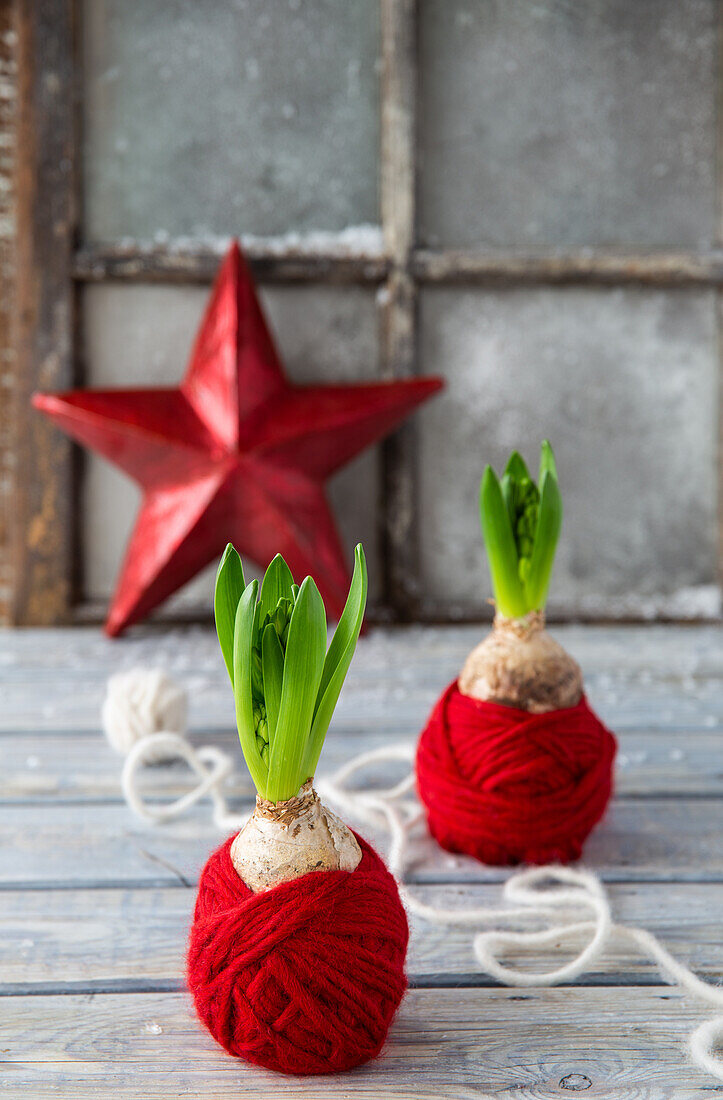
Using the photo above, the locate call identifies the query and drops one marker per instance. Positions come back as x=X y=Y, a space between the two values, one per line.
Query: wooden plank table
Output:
x=95 y=904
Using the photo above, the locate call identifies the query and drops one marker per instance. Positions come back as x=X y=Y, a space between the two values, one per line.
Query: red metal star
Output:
x=236 y=453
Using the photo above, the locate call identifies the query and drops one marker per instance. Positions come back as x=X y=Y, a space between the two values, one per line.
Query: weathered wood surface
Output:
x=71 y=767
x=95 y=904
x=638 y=678
x=43 y=575
x=197 y=263
x=129 y=938
x=471 y=1044
x=270 y=263
x=398 y=298
x=101 y=844
x=595 y=267
x=8 y=380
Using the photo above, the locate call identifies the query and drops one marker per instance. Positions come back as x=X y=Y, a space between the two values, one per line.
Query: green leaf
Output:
x=272 y=663
x=508 y=495
x=516 y=467
x=547 y=461
x=230 y=586
x=501 y=548
x=303 y=665
x=277 y=582
x=549 y=523
x=338 y=659
x=242 y=646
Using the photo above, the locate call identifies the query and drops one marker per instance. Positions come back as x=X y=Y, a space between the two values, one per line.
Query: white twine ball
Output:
x=141 y=702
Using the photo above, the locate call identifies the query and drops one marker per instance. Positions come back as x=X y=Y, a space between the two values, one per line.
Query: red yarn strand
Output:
x=303 y=978
x=511 y=787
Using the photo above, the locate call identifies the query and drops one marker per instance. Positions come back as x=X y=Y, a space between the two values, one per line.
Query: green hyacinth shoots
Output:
x=521 y=524
x=285 y=682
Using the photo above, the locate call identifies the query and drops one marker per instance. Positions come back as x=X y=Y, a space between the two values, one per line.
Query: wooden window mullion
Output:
x=400 y=542
x=43 y=513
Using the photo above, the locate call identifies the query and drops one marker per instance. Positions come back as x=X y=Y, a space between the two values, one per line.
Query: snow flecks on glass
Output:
x=167 y=147
x=527 y=134
x=624 y=383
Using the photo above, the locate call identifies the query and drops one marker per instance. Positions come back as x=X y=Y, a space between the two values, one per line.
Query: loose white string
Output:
x=560 y=895
x=211 y=765
x=570 y=901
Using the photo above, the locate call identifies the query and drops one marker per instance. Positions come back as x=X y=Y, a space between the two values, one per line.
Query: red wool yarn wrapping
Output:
x=304 y=977
x=507 y=786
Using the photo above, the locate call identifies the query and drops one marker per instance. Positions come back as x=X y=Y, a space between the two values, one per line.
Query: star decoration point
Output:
x=236 y=453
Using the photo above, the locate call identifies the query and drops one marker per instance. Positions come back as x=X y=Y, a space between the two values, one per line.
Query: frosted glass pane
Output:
x=624 y=383
x=141 y=336
x=213 y=117
x=559 y=123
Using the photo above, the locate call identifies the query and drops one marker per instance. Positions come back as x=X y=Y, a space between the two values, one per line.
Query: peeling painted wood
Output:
x=641 y=680
x=554 y=268
x=87 y=939
x=457 y=1043
x=8 y=372
x=89 y=844
x=272 y=262
x=199 y=264
x=94 y=904
x=46 y=226
x=58 y=766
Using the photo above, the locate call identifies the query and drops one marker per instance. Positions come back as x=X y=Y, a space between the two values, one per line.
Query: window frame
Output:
x=40 y=551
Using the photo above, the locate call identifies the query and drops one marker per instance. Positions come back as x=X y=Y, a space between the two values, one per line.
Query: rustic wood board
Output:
x=68 y=766
x=471 y=1044
x=95 y=904
x=107 y=939
x=654 y=678
x=102 y=844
